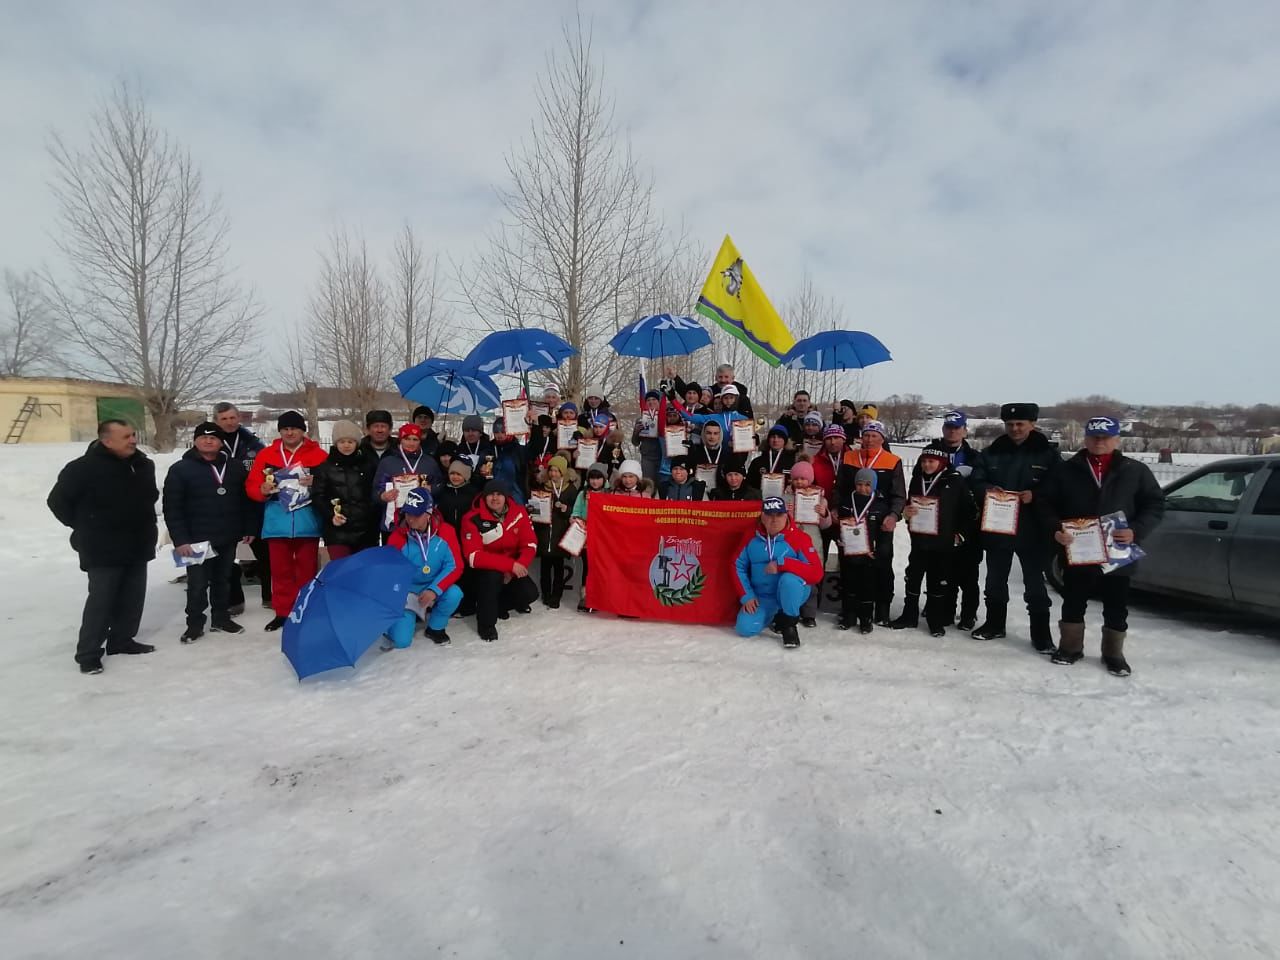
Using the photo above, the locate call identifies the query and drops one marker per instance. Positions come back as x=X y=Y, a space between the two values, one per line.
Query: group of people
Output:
x=475 y=514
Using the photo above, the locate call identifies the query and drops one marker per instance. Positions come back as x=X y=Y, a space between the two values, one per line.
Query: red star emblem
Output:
x=683 y=568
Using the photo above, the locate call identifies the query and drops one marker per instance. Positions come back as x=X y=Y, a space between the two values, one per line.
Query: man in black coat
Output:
x=205 y=502
x=378 y=441
x=793 y=419
x=1097 y=481
x=107 y=497
x=240 y=443
x=1017 y=462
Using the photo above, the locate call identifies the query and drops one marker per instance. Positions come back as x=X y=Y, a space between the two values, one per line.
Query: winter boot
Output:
x=489 y=634
x=225 y=625
x=910 y=616
x=993 y=627
x=130 y=647
x=848 y=614
x=191 y=635
x=1041 y=635
x=438 y=637
x=790 y=636
x=91 y=666
x=882 y=613
x=387 y=644
x=865 y=613
x=937 y=615
x=808 y=621
x=275 y=624
x=1070 y=643
x=1113 y=652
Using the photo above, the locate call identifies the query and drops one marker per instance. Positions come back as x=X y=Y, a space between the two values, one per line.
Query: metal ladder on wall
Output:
x=19 y=426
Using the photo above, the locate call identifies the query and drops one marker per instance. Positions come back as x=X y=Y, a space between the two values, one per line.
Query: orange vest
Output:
x=884 y=461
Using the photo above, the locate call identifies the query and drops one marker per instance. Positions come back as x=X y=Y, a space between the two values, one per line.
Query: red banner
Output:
x=666 y=560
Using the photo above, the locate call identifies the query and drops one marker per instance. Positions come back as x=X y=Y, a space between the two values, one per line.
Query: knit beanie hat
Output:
x=599 y=468
x=462 y=468
x=473 y=422
x=345 y=430
x=291 y=418
x=803 y=470
x=632 y=467
x=560 y=463
x=834 y=430
x=866 y=476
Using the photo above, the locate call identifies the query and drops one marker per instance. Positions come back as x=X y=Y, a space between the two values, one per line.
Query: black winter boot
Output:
x=993 y=627
x=438 y=637
x=865 y=612
x=1041 y=635
x=790 y=636
x=936 y=615
x=910 y=616
x=881 y=616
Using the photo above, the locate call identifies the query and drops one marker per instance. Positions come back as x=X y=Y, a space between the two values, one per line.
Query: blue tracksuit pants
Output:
x=401 y=633
x=791 y=593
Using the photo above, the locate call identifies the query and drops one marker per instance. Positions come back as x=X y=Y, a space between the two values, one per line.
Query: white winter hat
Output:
x=632 y=467
x=592 y=392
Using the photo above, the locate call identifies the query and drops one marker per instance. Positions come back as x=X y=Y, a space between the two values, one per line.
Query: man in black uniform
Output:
x=1017 y=462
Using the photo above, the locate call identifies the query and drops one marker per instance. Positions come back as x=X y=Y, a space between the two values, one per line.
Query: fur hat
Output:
x=1020 y=411
x=377 y=416
x=345 y=430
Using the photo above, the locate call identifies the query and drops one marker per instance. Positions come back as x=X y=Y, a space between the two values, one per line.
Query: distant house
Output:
x=65 y=410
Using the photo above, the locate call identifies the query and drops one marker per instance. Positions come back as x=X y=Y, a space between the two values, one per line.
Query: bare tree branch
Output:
x=145 y=296
x=28 y=341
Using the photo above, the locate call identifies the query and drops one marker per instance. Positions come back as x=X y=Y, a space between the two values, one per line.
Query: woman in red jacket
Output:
x=498 y=544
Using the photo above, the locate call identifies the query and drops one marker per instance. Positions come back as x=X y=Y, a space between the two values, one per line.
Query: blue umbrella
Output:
x=448 y=386
x=345 y=609
x=517 y=352
x=661 y=335
x=836 y=350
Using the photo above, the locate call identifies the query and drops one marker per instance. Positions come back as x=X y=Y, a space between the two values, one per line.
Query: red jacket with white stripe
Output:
x=493 y=543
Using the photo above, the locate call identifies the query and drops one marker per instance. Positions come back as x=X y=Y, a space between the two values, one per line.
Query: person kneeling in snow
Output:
x=776 y=570
x=432 y=547
x=499 y=544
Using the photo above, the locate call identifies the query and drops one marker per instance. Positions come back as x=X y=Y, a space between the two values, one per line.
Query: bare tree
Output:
x=416 y=302
x=348 y=342
x=903 y=415
x=581 y=251
x=145 y=296
x=28 y=341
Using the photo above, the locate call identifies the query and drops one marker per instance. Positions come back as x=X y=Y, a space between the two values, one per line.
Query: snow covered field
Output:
x=588 y=788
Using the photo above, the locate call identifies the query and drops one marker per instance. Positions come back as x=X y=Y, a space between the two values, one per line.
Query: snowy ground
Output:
x=590 y=788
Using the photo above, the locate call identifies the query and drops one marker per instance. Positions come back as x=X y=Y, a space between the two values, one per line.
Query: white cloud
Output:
x=1022 y=203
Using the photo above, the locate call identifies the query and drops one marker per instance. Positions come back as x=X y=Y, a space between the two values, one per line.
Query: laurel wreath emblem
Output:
x=673 y=597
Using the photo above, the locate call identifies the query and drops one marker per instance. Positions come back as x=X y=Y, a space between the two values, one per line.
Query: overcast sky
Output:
x=1023 y=201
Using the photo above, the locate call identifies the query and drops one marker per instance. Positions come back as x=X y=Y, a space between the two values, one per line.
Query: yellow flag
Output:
x=733 y=298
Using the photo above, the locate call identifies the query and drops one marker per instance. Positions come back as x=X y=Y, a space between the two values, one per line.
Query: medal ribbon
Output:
x=218 y=476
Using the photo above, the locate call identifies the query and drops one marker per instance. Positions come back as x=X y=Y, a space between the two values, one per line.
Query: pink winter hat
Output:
x=802 y=470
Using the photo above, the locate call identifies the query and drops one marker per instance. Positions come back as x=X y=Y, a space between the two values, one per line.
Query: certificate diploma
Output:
x=1000 y=512
x=925 y=520
x=648 y=425
x=744 y=436
x=515 y=417
x=854 y=539
x=676 y=446
x=807 y=505
x=1088 y=546
x=772 y=484
x=708 y=473
x=586 y=453
x=540 y=507
x=566 y=435
x=574 y=539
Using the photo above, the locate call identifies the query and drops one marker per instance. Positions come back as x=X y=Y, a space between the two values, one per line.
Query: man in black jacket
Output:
x=378 y=441
x=107 y=497
x=793 y=419
x=1017 y=462
x=242 y=444
x=1097 y=481
x=205 y=503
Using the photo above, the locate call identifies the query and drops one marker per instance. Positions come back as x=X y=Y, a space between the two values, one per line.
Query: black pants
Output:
x=860 y=582
x=492 y=596
x=962 y=573
x=1080 y=583
x=551 y=577
x=262 y=557
x=113 y=609
x=209 y=584
x=1000 y=562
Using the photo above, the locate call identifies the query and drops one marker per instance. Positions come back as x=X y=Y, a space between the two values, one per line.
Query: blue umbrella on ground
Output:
x=836 y=350
x=518 y=352
x=448 y=386
x=661 y=335
x=343 y=611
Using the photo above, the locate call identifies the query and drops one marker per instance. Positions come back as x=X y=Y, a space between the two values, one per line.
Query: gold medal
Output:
x=426 y=569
